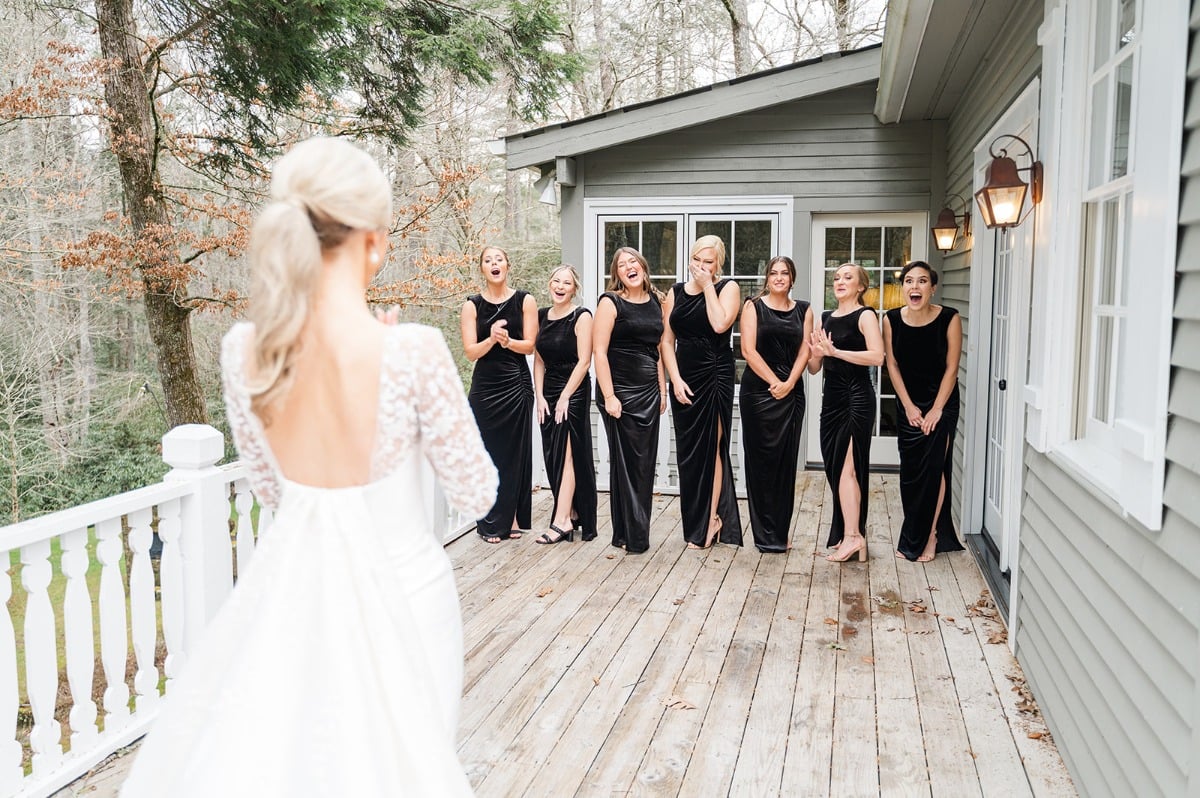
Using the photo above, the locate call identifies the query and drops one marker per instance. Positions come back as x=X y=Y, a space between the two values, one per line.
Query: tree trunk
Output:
x=741 y=35
x=135 y=143
x=608 y=82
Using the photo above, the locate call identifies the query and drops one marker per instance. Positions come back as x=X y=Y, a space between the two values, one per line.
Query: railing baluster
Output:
x=41 y=657
x=10 y=751
x=114 y=646
x=141 y=609
x=243 y=502
x=80 y=638
x=170 y=575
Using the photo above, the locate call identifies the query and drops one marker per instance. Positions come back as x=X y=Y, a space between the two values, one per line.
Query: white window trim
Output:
x=1132 y=473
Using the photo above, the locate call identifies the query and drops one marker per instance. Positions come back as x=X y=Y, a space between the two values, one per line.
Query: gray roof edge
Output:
x=706 y=104
x=906 y=24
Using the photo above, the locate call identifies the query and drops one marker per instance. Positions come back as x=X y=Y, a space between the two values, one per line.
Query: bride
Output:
x=335 y=668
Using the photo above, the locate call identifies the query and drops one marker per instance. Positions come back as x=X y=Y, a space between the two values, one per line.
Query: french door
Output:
x=881 y=243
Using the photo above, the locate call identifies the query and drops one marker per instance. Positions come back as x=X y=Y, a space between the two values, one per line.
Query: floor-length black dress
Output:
x=558 y=347
x=501 y=398
x=847 y=415
x=771 y=427
x=925 y=460
x=705 y=362
x=633 y=438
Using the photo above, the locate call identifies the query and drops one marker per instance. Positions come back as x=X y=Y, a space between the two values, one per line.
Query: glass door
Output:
x=881 y=243
x=657 y=237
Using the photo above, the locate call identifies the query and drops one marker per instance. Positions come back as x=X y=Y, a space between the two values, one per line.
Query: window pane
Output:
x=663 y=284
x=660 y=247
x=1123 y=102
x=751 y=247
x=837 y=246
x=1098 y=135
x=1106 y=260
x=721 y=229
x=887 y=417
x=1126 y=22
x=617 y=235
x=897 y=249
x=1102 y=374
x=868 y=247
x=1126 y=235
x=1104 y=25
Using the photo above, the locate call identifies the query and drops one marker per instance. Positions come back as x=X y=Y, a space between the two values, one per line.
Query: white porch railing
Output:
x=106 y=614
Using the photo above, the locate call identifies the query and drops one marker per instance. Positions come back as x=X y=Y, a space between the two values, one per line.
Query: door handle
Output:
x=1003 y=385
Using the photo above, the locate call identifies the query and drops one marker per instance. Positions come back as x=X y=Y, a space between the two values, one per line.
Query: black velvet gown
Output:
x=705 y=362
x=771 y=427
x=557 y=346
x=633 y=438
x=501 y=397
x=925 y=460
x=847 y=415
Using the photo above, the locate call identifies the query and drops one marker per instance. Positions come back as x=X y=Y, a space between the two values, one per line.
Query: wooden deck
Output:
x=590 y=672
x=728 y=672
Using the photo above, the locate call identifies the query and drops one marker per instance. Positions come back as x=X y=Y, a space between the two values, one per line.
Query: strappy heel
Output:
x=567 y=535
x=860 y=550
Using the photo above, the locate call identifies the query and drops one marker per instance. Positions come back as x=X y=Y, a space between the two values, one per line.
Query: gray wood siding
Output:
x=825 y=151
x=1107 y=630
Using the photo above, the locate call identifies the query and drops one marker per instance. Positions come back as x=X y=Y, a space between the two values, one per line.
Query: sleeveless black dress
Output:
x=557 y=346
x=925 y=460
x=847 y=415
x=501 y=398
x=705 y=362
x=633 y=438
x=771 y=427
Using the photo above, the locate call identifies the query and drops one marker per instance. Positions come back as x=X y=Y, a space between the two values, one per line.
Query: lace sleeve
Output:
x=247 y=434
x=449 y=436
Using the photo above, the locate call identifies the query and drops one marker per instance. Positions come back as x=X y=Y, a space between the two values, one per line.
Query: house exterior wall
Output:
x=1107 y=611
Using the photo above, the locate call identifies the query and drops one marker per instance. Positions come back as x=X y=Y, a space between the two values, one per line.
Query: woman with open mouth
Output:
x=696 y=349
x=499 y=325
x=923 y=343
x=775 y=330
x=846 y=345
x=561 y=388
x=630 y=392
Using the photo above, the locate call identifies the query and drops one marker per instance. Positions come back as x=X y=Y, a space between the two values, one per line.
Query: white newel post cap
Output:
x=193 y=447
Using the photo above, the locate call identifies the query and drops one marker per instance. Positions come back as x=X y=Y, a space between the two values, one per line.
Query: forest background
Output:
x=135 y=140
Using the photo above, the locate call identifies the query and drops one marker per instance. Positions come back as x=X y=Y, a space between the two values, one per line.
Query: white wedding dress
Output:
x=335 y=667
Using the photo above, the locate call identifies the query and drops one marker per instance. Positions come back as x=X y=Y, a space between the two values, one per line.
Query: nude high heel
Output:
x=860 y=550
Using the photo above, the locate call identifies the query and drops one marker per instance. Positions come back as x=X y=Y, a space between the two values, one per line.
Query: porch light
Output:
x=945 y=229
x=1003 y=191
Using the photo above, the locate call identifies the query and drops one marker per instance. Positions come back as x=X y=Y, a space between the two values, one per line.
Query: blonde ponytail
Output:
x=321 y=191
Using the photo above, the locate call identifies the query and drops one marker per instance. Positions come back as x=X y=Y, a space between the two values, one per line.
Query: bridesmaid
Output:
x=846 y=345
x=700 y=315
x=630 y=392
x=775 y=331
x=561 y=387
x=923 y=343
x=499 y=325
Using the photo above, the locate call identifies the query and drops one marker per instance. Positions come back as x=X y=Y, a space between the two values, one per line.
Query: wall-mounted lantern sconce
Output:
x=945 y=229
x=1003 y=192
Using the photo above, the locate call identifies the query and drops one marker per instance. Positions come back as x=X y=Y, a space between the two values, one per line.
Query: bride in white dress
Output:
x=335 y=668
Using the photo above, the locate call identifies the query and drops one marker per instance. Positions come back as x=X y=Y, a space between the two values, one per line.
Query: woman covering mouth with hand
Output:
x=923 y=343
x=630 y=392
x=499 y=325
x=561 y=386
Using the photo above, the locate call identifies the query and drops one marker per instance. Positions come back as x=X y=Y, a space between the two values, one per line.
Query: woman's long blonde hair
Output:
x=321 y=191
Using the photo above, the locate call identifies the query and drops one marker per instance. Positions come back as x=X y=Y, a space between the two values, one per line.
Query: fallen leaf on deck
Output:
x=830 y=622
x=675 y=702
x=930 y=587
x=545 y=592
x=791 y=617
x=948 y=619
x=1034 y=735
x=609 y=556
x=885 y=603
x=677 y=602
x=868 y=660
x=998 y=637
x=835 y=646
x=596 y=680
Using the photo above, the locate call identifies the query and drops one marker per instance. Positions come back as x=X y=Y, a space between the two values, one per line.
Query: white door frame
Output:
x=1021 y=118
x=882 y=450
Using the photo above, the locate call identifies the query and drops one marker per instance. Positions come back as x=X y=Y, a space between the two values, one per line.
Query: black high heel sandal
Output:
x=566 y=535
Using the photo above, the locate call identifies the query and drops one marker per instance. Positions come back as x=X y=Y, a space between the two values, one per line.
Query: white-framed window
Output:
x=1112 y=113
